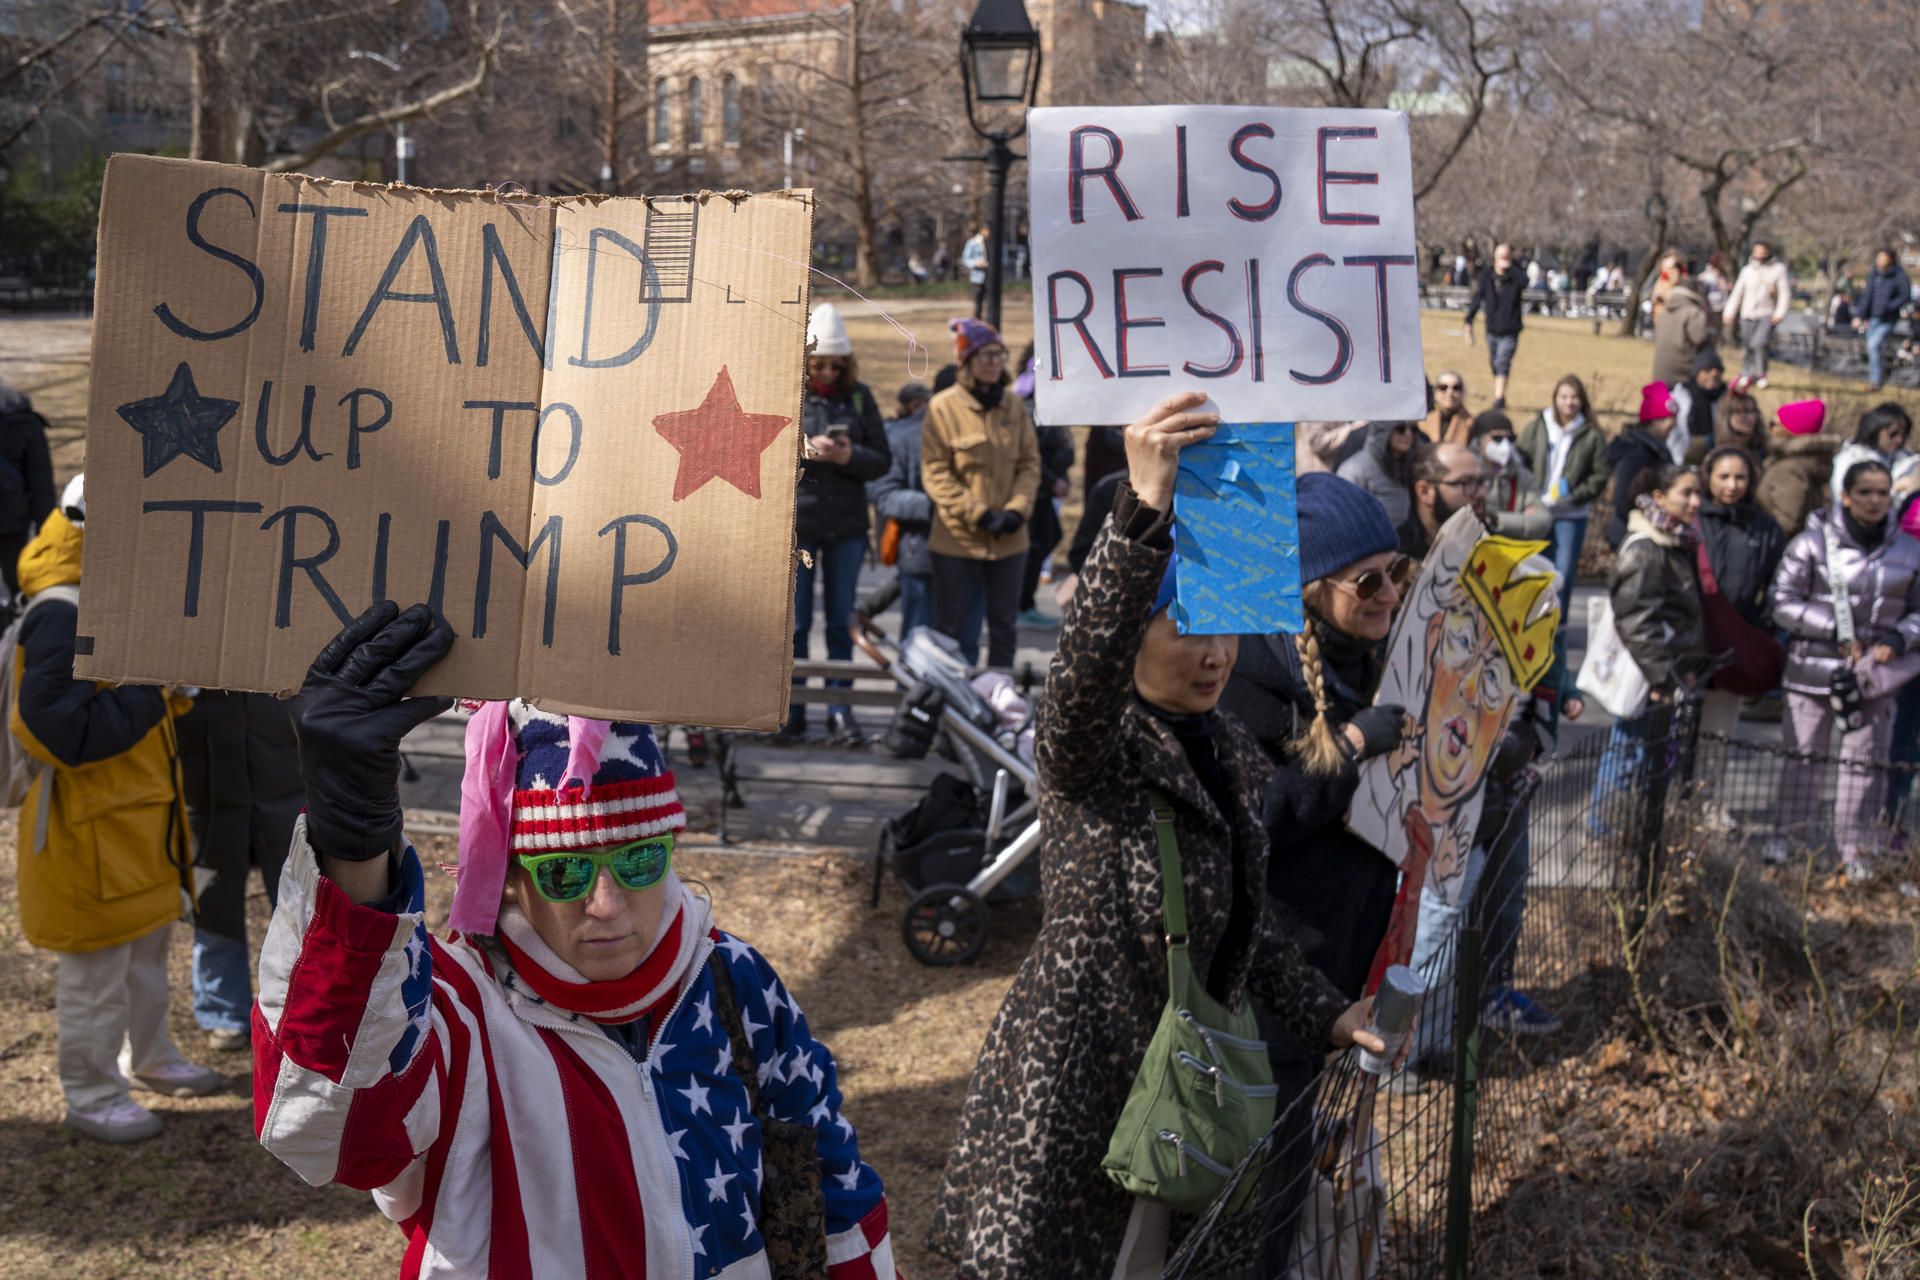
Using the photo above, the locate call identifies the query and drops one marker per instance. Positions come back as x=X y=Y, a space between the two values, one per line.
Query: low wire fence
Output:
x=1361 y=1179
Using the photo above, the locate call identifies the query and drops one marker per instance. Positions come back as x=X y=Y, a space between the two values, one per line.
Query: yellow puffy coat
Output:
x=103 y=875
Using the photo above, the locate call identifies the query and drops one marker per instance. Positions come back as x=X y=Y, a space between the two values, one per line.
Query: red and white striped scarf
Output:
x=648 y=991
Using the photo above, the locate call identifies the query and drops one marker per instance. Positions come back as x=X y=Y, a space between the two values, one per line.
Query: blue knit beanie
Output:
x=1340 y=524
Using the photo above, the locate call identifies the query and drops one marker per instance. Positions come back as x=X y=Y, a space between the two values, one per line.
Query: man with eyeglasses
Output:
x=1448 y=419
x=1446 y=477
x=1502 y=292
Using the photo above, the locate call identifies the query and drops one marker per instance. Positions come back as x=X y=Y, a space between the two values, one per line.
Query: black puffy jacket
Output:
x=1744 y=545
x=831 y=504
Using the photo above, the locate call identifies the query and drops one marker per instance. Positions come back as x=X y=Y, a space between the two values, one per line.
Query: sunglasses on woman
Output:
x=1449 y=386
x=1374 y=581
x=569 y=876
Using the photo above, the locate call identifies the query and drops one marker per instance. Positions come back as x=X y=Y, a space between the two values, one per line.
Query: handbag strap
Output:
x=726 y=1003
x=1837 y=590
x=1173 y=892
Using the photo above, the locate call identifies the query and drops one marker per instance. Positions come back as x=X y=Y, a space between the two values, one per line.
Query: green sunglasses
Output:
x=569 y=877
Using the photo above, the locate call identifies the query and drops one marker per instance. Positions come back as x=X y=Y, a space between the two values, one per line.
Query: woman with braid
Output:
x=1308 y=700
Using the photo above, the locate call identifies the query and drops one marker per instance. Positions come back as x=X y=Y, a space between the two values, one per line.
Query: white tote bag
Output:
x=1609 y=675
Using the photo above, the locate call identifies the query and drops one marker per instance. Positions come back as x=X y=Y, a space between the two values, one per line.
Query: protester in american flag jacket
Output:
x=551 y=1090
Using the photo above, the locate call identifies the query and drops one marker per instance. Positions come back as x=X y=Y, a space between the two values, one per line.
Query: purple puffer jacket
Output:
x=1883 y=587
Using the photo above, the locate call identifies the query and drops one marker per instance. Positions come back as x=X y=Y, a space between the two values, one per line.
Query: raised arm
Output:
x=1091 y=679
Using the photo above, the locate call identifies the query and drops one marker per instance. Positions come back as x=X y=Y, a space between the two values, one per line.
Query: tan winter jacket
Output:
x=974 y=460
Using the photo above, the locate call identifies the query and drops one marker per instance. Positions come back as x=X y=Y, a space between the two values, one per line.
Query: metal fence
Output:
x=1361 y=1180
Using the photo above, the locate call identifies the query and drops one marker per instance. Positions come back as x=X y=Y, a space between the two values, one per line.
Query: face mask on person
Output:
x=1497 y=452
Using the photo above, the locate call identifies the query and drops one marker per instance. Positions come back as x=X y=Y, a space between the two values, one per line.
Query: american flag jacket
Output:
x=511 y=1139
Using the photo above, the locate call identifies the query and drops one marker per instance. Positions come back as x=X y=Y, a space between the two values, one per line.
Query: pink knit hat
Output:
x=1803 y=417
x=1655 y=402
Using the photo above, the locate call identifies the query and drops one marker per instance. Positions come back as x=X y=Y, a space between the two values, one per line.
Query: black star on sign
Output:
x=179 y=420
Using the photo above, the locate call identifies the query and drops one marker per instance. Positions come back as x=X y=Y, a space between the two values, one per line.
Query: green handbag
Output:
x=1204 y=1095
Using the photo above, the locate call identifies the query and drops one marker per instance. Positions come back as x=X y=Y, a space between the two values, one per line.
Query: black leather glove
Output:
x=1381 y=729
x=1002 y=523
x=350 y=716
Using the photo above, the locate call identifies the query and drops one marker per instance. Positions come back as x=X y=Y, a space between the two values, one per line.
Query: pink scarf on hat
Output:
x=486 y=806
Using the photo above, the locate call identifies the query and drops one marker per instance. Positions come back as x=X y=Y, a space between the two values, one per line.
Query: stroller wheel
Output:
x=945 y=924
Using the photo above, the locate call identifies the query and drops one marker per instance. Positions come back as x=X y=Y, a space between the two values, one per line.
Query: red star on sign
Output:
x=719 y=440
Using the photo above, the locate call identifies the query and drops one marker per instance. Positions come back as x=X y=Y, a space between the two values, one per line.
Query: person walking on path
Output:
x=973 y=260
x=1858 y=657
x=1637 y=450
x=1881 y=437
x=240 y=778
x=1129 y=709
x=102 y=837
x=1566 y=451
x=1715 y=284
x=1448 y=420
x=1681 y=331
x=1796 y=478
x=1512 y=507
x=1384 y=466
x=1742 y=546
x=980 y=463
x=27 y=491
x=1884 y=297
x=898 y=497
x=1501 y=291
x=846 y=448
x=1759 y=301
x=1657 y=611
x=586 y=1076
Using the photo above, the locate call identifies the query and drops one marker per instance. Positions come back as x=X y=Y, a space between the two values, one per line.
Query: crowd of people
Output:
x=587 y=1047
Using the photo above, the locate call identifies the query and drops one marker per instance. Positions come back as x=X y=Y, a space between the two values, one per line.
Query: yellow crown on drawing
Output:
x=1516 y=589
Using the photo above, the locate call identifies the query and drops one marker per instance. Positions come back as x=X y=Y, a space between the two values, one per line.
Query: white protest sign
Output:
x=1264 y=255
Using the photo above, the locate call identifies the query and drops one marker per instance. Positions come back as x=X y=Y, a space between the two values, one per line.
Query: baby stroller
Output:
x=967 y=842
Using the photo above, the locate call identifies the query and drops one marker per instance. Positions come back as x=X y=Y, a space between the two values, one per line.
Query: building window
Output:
x=662 y=114
x=696 y=115
x=730 y=109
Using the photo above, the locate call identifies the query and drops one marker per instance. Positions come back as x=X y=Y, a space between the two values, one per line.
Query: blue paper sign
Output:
x=1236 y=534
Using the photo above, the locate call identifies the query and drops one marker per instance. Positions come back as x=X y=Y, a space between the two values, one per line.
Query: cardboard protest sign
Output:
x=1474 y=635
x=1234 y=527
x=569 y=426
x=1265 y=255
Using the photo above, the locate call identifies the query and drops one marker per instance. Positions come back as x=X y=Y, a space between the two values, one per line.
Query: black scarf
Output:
x=989 y=397
x=1355 y=663
x=1868 y=536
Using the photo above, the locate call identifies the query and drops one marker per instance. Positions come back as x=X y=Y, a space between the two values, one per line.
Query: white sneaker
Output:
x=122 y=1122
x=1776 y=852
x=178 y=1080
x=228 y=1039
x=1761 y=382
x=1858 y=871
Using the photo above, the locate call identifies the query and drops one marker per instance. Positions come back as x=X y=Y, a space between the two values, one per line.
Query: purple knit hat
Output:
x=969 y=336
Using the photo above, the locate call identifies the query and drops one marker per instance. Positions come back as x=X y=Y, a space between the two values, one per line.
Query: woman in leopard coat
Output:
x=1129 y=705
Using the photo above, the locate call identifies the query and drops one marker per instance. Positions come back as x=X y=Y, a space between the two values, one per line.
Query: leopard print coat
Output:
x=1024 y=1194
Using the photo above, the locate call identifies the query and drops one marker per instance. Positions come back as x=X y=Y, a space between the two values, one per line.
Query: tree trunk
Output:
x=866 y=266
x=1630 y=325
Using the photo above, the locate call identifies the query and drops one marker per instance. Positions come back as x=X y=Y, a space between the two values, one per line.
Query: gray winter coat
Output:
x=1371 y=470
x=898 y=495
x=1883 y=589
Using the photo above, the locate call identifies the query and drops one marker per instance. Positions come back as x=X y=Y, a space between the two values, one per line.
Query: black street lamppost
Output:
x=999 y=66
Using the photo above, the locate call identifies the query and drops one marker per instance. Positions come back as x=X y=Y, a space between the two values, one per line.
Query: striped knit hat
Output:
x=541 y=783
x=630 y=795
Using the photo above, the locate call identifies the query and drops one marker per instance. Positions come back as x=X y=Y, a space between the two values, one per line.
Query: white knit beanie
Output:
x=73 y=500
x=827 y=332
